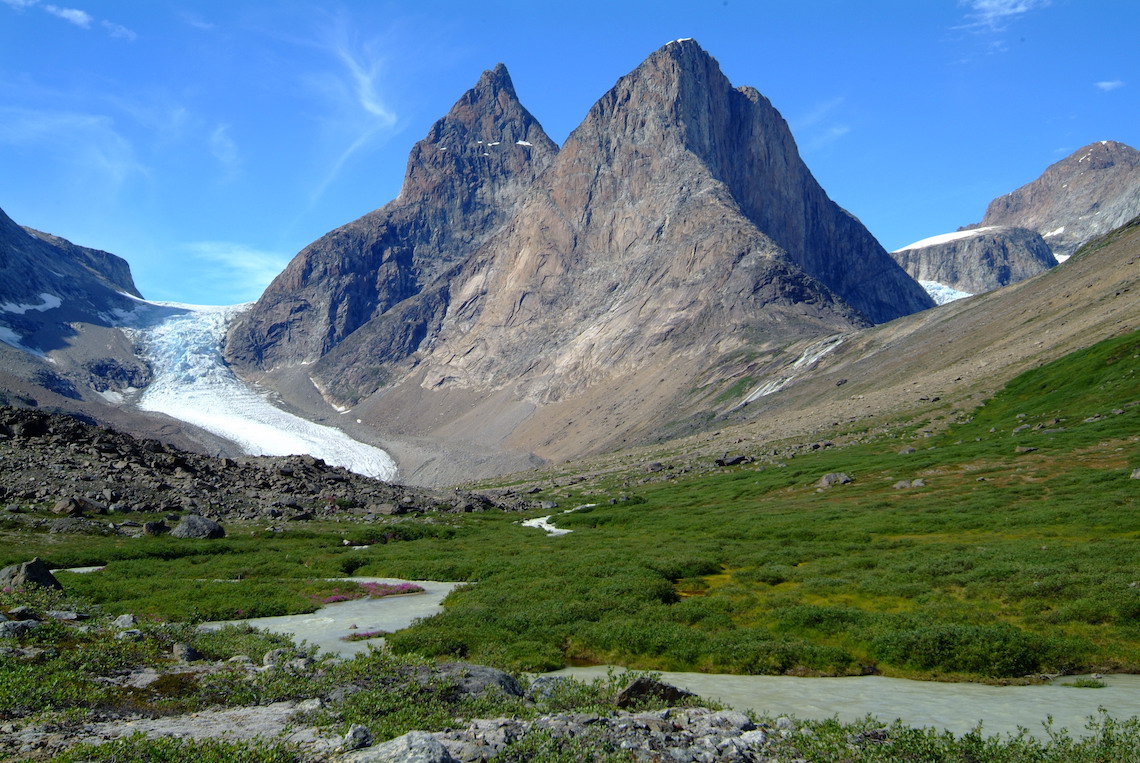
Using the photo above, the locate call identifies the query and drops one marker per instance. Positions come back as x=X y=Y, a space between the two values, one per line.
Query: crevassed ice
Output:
x=192 y=383
x=941 y=293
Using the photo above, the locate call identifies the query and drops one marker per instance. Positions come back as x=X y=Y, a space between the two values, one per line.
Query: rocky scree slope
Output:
x=676 y=228
x=84 y=472
x=1087 y=194
x=977 y=260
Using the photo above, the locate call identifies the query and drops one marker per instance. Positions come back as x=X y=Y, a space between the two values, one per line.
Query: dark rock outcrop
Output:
x=977 y=260
x=1088 y=193
x=114 y=472
x=34 y=572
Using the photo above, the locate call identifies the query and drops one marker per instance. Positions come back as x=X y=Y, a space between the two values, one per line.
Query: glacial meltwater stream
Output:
x=192 y=383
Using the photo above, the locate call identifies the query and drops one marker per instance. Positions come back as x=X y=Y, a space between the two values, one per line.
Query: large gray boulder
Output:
x=34 y=572
x=197 y=526
x=413 y=747
x=475 y=679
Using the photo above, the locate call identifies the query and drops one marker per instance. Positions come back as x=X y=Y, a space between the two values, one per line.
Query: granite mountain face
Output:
x=49 y=286
x=675 y=228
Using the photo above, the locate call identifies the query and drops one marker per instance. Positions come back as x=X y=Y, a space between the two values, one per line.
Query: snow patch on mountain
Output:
x=47 y=302
x=193 y=383
x=946 y=237
x=810 y=355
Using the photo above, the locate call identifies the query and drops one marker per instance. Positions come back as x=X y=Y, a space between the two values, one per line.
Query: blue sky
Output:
x=208 y=142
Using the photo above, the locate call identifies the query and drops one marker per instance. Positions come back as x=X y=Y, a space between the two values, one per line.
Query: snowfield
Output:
x=192 y=383
x=947 y=237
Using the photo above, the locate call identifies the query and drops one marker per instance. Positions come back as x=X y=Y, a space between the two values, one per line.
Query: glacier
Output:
x=193 y=383
x=943 y=294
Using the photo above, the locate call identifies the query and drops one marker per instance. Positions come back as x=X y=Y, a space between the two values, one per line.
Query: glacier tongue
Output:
x=192 y=383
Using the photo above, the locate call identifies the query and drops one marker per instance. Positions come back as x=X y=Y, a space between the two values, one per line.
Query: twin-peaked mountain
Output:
x=676 y=230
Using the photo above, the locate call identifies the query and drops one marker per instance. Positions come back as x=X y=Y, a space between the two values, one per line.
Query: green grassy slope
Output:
x=1016 y=556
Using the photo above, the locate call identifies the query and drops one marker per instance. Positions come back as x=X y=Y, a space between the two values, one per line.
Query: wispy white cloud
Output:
x=819 y=127
x=818 y=113
x=1108 y=85
x=118 y=30
x=72 y=15
x=88 y=145
x=20 y=4
x=225 y=150
x=824 y=138
x=358 y=113
x=237 y=273
x=992 y=15
x=196 y=21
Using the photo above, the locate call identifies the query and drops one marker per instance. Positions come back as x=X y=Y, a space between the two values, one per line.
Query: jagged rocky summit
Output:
x=676 y=228
x=1087 y=194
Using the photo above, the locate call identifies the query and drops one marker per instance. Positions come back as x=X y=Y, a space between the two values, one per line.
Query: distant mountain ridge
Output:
x=676 y=226
x=1090 y=192
x=979 y=259
x=47 y=281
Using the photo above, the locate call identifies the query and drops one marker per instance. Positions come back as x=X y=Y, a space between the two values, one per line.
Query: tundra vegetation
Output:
x=1012 y=557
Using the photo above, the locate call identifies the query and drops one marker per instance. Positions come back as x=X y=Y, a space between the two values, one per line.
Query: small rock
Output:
x=124 y=621
x=543 y=688
x=1024 y=449
x=1136 y=474
x=413 y=747
x=131 y=634
x=22 y=613
x=197 y=526
x=17 y=628
x=907 y=451
x=643 y=689
x=902 y=485
x=358 y=736
x=275 y=657
x=154 y=528
x=834 y=478
x=185 y=652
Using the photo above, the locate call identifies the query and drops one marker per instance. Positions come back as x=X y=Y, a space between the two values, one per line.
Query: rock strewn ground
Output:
x=82 y=470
